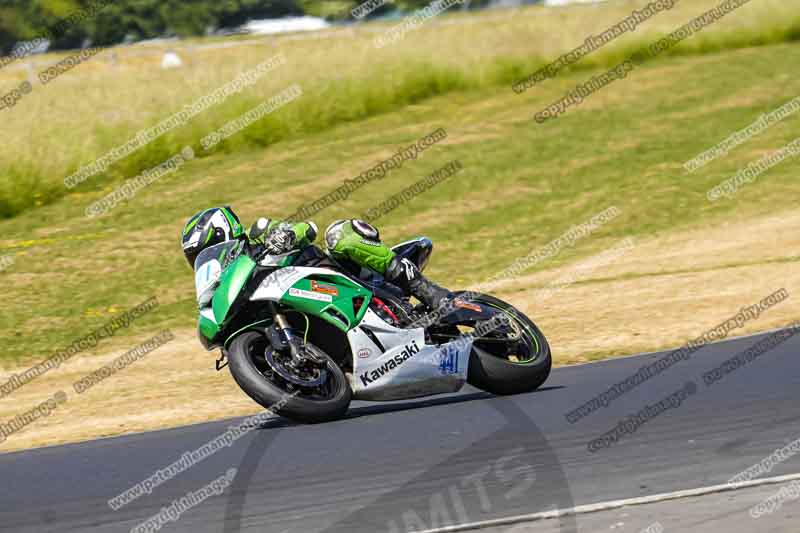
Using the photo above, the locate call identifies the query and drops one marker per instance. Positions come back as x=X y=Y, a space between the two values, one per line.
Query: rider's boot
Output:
x=407 y=276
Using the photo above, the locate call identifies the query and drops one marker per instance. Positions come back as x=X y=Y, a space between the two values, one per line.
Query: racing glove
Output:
x=280 y=240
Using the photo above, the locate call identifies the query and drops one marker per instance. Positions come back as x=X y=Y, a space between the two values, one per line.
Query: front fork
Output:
x=282 y=337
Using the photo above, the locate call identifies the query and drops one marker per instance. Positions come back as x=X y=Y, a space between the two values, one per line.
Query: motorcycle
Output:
x=304 y=334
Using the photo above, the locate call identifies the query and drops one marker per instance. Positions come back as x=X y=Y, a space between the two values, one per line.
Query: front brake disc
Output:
x=291 y=376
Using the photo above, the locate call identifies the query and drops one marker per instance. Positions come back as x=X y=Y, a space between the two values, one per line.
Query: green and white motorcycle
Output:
x=304 y=334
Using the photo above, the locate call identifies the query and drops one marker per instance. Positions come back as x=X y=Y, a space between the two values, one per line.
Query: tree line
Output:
x=70 y=24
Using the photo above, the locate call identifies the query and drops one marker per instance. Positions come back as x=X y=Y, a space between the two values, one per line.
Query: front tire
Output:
x=245 y=356
x=502 y=375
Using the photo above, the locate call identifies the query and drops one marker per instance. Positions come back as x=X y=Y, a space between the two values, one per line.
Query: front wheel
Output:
x=321 y=402
x=519 y=365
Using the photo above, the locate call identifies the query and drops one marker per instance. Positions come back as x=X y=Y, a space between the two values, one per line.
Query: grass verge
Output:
x=100 y=105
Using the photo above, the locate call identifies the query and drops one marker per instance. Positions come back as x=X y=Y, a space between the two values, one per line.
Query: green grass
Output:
x=58 y=128
x=523 y=184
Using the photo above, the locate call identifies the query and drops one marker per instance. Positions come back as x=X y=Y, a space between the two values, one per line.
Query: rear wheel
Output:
x=520 y=364
x=303 y=395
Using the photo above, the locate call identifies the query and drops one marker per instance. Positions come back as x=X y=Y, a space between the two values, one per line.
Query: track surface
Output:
x=434 y=462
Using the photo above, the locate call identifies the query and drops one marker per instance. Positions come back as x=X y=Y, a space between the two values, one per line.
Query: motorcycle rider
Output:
x=355 y=241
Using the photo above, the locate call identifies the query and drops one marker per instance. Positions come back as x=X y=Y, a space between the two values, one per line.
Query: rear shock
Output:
x=383 y=311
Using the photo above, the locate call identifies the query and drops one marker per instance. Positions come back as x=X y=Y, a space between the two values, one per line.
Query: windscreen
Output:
x=222 y=253
x=209 y=265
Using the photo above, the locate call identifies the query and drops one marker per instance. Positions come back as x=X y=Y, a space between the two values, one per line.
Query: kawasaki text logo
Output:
x=407 y=353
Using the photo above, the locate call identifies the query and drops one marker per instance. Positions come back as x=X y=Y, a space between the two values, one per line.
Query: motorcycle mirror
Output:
x=258 y=228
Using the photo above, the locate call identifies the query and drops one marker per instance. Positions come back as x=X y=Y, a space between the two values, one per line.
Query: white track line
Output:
x=615 y=504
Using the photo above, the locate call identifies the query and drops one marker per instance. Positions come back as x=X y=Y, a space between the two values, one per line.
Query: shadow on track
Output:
x=519 y=466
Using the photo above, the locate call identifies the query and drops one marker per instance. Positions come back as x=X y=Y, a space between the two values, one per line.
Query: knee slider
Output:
x=366 y=230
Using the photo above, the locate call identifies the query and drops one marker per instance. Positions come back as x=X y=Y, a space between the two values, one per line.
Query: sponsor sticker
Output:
x=364 y=353
x=324 y=288
x=308 y=295
x=466 y=305
x=448 y=364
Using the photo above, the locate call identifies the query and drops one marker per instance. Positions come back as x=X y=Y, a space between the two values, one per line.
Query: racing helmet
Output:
x=208 y=228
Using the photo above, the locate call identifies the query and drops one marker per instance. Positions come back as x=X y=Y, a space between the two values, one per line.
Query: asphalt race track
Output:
x=441 y=461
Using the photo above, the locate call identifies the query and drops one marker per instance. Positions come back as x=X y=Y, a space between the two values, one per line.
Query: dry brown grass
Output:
x=669 y=289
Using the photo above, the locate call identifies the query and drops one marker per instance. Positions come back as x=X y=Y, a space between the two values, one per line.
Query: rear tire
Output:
x=502 y=376
x=268 y=394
